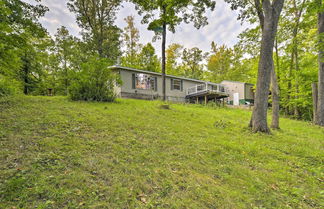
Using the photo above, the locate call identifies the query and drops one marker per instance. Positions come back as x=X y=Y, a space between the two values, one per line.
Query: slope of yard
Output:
x=133 y=154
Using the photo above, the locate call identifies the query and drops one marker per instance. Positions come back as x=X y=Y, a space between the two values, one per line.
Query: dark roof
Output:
x=159 y=74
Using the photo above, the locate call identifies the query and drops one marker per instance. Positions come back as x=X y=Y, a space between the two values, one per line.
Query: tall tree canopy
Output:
x=21 y=38
x=192 y=62
x=148 y=60
x=96 y=18
x=131 y=39
x=173 y=59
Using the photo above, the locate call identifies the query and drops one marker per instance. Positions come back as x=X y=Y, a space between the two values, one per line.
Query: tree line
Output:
x=281 y=52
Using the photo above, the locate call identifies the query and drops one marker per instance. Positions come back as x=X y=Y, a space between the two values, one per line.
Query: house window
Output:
x=214 y=87
x=176 y=84
x=221 y=88
x=144 y=81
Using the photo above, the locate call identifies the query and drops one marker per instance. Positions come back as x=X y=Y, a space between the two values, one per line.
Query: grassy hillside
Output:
x=133 y=154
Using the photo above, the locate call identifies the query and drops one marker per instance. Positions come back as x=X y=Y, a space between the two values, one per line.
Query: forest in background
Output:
x=31 y=61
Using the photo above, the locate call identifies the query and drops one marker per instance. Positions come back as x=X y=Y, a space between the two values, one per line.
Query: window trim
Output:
x=180 y=85
x=153 y=86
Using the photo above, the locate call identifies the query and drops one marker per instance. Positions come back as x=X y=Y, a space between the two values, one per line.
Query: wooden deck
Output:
x=206 y=92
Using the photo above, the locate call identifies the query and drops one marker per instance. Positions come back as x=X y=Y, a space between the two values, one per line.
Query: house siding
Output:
x=245 y=91
x=127 y=90
x=235 y=87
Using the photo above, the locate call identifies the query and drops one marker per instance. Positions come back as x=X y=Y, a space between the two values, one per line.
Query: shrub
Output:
x=8 y=87
x=95 y=82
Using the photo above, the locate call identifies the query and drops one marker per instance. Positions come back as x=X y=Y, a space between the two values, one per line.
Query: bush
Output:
x=8 y=87
x=95 y=82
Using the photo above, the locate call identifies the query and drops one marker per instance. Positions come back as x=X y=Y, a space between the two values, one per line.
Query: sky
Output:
x=223 y=27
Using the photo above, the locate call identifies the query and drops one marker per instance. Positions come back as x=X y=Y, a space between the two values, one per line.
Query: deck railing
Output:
x=206 y=88
x=197 y=89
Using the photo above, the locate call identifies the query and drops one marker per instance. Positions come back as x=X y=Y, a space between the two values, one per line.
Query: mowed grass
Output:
x=133 y=154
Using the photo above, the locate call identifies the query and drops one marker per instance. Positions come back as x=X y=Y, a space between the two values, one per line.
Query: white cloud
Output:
x=223 y=27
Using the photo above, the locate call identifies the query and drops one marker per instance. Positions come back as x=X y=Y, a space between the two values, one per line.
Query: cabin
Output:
x=141 y=84
x=240 y=93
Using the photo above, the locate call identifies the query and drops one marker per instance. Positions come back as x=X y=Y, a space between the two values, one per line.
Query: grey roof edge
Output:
x=160 y=74
x=237 y=82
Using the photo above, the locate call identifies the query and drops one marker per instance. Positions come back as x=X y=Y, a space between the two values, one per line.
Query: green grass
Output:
x=55 y=153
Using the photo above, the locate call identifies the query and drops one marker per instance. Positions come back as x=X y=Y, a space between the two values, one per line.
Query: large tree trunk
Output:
x=163 y=60
x=320 y=103
x=271 y=18
x=275 y=100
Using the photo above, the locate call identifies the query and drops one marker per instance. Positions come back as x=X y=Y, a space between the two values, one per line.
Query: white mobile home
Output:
x=142 y=84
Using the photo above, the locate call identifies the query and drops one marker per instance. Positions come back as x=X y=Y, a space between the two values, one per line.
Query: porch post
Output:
x=197 y=100
x=205 y=99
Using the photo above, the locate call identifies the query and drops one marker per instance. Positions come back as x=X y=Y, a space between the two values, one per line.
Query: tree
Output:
x=64 y=46
x=96 y=18
x=9 y=58
x=293 y=17
x=220 y=63
x=192 y=62
x=226 y=63
x=275 y=100
x=170 y=14
x=173 y=53
x=268 y=13
x=94 y=82
x=21 y=42
x=320 y=104
x=131 y=39
x=148 y=59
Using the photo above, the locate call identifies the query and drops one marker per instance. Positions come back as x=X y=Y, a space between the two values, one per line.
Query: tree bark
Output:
x=26 y=81
x=25 y=73
x=277 y=62
x=296 y=109
x=315 y=100
x=271 y=18
x=289 y=85
x=320 y=103
x=163 y=60
x=66 y=81
x=275 y=100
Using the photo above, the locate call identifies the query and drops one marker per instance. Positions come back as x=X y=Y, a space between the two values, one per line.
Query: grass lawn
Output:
x=55 y=153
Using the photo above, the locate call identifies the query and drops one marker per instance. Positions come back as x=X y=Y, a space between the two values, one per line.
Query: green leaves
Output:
x=173 y=12
x=20 y=33
x=96 y=18
x=156 y=26
x=95 y=82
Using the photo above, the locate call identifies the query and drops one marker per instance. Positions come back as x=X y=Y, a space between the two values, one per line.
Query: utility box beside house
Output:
x=240 y=93
x=236 y=99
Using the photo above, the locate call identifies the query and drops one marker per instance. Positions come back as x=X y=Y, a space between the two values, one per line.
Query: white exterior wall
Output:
x=172 y=95
x=235 y=87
